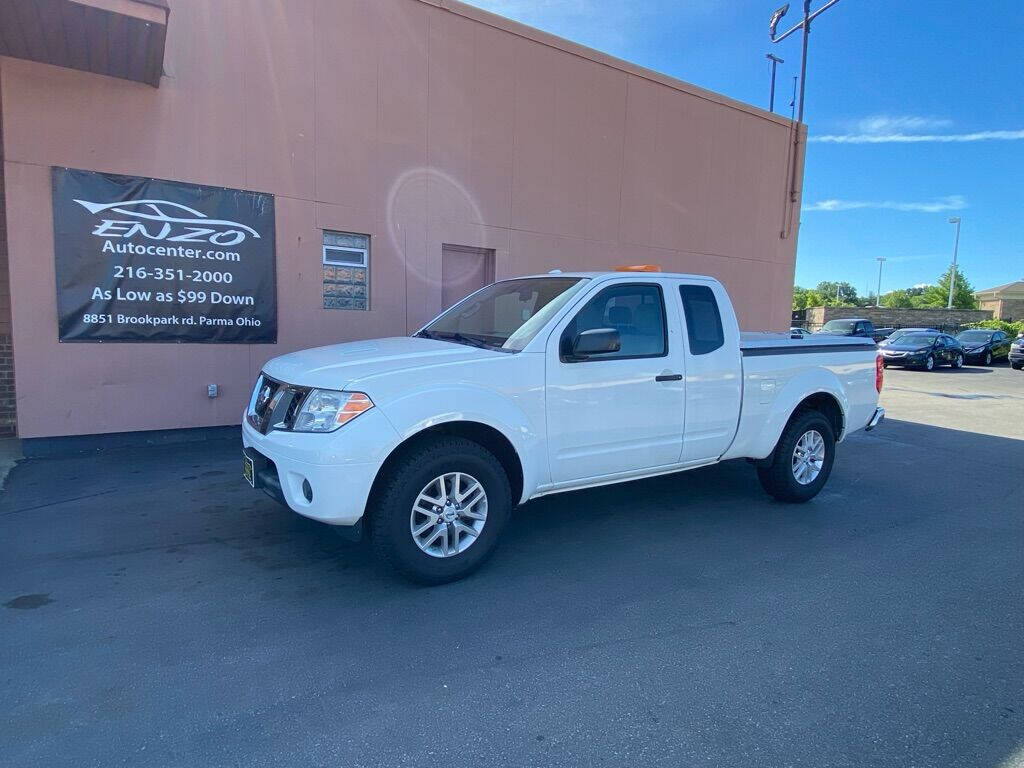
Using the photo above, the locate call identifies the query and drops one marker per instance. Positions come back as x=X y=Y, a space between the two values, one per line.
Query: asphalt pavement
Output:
x=158 y=612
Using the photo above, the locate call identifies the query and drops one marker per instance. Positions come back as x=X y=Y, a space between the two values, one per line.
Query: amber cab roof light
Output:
x=638 y=268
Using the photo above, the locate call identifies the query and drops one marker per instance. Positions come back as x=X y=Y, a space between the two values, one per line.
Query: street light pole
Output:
x=878 y=292
x=956 y=247
x=804 y=25
x=773 y=23
x=775 y=60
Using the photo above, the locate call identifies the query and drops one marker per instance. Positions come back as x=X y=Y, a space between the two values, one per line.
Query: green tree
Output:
x=900 y=298
x=806 y=297
x=837 y=294
x=935 y=296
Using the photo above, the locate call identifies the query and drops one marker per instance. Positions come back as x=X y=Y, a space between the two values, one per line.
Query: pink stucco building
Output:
x=449 y=145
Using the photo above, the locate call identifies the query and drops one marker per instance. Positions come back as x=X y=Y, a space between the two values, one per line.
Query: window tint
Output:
x=703 y=320
x=636 y=311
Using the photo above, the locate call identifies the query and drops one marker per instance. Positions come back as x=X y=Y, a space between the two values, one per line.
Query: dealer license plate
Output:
x=247 y=470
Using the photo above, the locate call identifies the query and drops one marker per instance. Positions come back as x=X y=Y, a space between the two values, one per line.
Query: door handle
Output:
x=669 y=377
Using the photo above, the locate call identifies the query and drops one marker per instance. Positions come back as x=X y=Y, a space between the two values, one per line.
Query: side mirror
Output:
x=596 y=341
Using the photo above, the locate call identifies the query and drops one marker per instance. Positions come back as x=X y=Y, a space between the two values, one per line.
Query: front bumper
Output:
x=908 y=360
x=326 y=477
x=876 y=419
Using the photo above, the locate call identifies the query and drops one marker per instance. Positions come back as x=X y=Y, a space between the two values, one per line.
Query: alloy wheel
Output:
x=808 y=457
x=448 y=514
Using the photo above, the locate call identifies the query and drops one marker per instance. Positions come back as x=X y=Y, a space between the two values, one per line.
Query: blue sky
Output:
x=915 y=110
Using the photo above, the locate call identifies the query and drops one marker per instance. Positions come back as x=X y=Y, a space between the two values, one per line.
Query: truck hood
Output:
x=336 y=366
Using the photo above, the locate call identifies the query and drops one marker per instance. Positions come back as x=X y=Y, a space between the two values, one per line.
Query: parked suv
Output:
x=1017 y=353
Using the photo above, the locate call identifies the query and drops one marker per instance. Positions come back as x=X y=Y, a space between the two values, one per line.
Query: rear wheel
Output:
x=958 y=361
x=802 y=459
x=1017 y=366
x=440 y=511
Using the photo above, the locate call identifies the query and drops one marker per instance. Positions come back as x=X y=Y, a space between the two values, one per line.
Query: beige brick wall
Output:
x=1010 y=309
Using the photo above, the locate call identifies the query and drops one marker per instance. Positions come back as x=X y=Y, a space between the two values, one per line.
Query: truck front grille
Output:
x=274 y=404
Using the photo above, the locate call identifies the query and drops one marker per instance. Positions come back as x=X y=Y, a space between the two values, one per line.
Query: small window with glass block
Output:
x=346 y=270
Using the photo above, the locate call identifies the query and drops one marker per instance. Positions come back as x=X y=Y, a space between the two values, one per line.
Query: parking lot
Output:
x=159 y=612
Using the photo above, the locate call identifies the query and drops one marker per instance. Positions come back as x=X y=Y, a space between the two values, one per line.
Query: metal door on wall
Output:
x=464 y=269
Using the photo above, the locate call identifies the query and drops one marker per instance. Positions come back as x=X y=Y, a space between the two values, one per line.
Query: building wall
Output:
x=888 y=317
x=413 y=123
x=8 y=403
x=1007 y=309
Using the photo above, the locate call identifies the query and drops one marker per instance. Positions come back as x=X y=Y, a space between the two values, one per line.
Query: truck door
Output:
x=619 y=411
x=714 y=373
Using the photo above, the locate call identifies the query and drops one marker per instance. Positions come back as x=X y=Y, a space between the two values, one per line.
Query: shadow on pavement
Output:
x=158 y=607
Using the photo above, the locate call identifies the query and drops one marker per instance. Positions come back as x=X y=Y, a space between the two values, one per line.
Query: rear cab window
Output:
x=703 y=319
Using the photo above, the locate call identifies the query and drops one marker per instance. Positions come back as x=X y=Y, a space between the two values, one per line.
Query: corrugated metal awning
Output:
x=120 y=38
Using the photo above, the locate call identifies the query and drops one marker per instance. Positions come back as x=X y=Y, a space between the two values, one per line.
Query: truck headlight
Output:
x=325 y=410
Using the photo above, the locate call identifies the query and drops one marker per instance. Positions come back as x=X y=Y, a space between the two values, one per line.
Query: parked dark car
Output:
x=1017 y=353
x=982 y=345
x=923 y=350
x=851 y=326
x=798 y=333
x=903 y=332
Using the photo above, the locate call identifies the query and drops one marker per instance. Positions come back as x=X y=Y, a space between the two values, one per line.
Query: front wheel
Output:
x=929 y=363
x=988 y=358
x=802 y=460
x=440 y=510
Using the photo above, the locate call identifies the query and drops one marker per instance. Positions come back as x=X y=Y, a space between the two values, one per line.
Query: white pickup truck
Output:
x=540 y=385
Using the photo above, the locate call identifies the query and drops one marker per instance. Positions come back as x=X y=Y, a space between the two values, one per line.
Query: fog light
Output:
x=307 y=490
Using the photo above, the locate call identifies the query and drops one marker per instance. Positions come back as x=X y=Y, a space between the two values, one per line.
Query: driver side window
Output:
x=636 y=311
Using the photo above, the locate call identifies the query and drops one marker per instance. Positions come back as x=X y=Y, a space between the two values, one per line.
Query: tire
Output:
x=958 y=361
x=392 y=517
x=929 y=363
x=779 y=478
x=988 y=358
x=1017 y=366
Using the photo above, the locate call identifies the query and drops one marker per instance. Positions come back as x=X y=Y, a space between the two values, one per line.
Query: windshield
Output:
x=842 y=326
x=917 y=340
x=505 y=315
x=977 y=337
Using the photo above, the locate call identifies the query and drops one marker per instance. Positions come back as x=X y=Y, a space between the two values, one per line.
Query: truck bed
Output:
x=754 y=343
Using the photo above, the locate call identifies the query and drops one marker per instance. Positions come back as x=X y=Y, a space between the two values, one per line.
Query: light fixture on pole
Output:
x=956 y=247
x=775 y=60
x=878 y=293
x=805 y=25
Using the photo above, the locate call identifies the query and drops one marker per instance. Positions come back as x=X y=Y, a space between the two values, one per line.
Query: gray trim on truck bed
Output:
x=803 y=350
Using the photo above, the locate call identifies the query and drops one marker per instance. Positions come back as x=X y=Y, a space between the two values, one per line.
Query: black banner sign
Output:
x=150 y=260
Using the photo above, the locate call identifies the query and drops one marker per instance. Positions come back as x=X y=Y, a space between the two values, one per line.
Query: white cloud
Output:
x=888 y=124
x=948 y=203
x=917 y=138
x=909 y=129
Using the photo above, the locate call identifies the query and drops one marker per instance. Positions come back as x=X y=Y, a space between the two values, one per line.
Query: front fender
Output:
x=519 y=419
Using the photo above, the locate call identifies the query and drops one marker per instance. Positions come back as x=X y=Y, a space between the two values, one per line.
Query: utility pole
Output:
x=775 y=60
x=956 y=246
x=878 y=293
